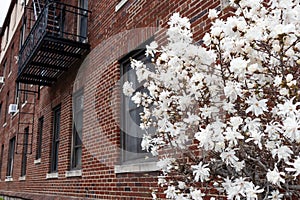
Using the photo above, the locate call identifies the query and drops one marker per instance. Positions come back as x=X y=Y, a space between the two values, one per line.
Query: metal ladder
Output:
x=36 y=8
x=24 y=136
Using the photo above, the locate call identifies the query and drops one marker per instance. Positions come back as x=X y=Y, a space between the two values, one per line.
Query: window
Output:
x=77 y=130
x=4 y=68
x=10 y=161
x=131 y=134
x=83 y=4
x=11 y=60
x=39 y=138
x=22 y=34
x=24 y=154
x=0 y=112
x=16 y=93
x=55 y=139
x=1 y=160
x=6 y=106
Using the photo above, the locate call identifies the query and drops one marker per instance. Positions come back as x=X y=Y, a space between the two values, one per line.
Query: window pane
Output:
x=55 y=144
x=132 y=134
x=77 y=129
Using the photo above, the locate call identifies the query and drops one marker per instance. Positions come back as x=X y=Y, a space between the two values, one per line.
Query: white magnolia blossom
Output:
x=226 y=115
x=274 y=176
x=201 y=172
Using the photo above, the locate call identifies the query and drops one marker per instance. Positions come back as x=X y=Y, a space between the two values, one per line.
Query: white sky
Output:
x=4 y=4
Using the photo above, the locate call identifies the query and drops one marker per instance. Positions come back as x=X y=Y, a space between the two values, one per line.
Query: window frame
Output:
x=139 y=155
x=12 y=49
x=82 y=20
x=6 y=107
x=39 y=138
x=10 y=158
x=24 y=152
x=77 y=134
x=1 y=160
x=55 y=139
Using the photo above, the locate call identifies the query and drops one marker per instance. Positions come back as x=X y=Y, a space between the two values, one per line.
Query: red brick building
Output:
x=64 y=129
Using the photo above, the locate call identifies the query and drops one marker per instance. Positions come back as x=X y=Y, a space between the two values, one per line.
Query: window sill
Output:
x=9 y=179
x=22 y=178
x=120 y=4
x=37 y=161
x=53 y=175
x=74 y=173
x=137 y=167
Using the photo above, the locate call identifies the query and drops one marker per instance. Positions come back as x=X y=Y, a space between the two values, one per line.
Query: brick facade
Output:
x=112 y=34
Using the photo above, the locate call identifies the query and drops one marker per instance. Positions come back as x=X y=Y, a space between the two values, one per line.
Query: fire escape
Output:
x=54 y=38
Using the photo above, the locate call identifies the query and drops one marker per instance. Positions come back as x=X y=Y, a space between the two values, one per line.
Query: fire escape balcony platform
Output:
x=51 y=57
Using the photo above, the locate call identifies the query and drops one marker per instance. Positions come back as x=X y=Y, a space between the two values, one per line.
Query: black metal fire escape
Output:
x=56 y=41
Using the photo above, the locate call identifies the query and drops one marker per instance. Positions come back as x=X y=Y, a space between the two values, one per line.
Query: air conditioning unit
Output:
x=2 y=79
x=13 y=108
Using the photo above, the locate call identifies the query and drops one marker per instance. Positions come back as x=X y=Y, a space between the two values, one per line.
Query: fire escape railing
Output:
x=56 y=20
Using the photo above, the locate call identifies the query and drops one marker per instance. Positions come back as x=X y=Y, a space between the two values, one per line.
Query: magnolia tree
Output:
x=226 y=113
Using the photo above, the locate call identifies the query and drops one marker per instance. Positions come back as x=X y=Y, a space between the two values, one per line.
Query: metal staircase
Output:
x=50 y=49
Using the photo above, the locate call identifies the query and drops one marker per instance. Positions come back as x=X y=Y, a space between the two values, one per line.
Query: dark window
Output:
x=22 y=33
x=25 y=150
x=55 y=139
x=131 y=133
x=0 y=112
x=10 y=161
x=4 y=68
x=6 y=106
x=39 y=138
x=77 y=130
x=16 y=93
x=1 y=160
x=11 y=60
x=83 y=20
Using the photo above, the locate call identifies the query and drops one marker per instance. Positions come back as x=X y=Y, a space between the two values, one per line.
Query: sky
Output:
x=4 y=4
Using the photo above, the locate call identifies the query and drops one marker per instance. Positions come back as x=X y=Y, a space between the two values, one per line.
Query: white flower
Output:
x=235 y=122
x=288 y=108
x=232 y=90
x=161 y=181
x=274 y=176
x=232 y=136
x=151 y=49
x=197 y=195
x=127 y=89
x=251 y=191
x=181 y=185
x=154 y=197
x=291 y=125
x=229 y=157
x=212 y=13
x=171 y=192
x=201 y=172
x=277 y=81
x=165 y=164
x=289 y=78
x=283 y=152
x=257 y=107
x=275 y=195
x=238 y=66
x=204 y=137
x=208 y=111
x=296 y=165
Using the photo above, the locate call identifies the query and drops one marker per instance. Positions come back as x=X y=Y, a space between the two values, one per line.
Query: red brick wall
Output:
x=111 y=35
